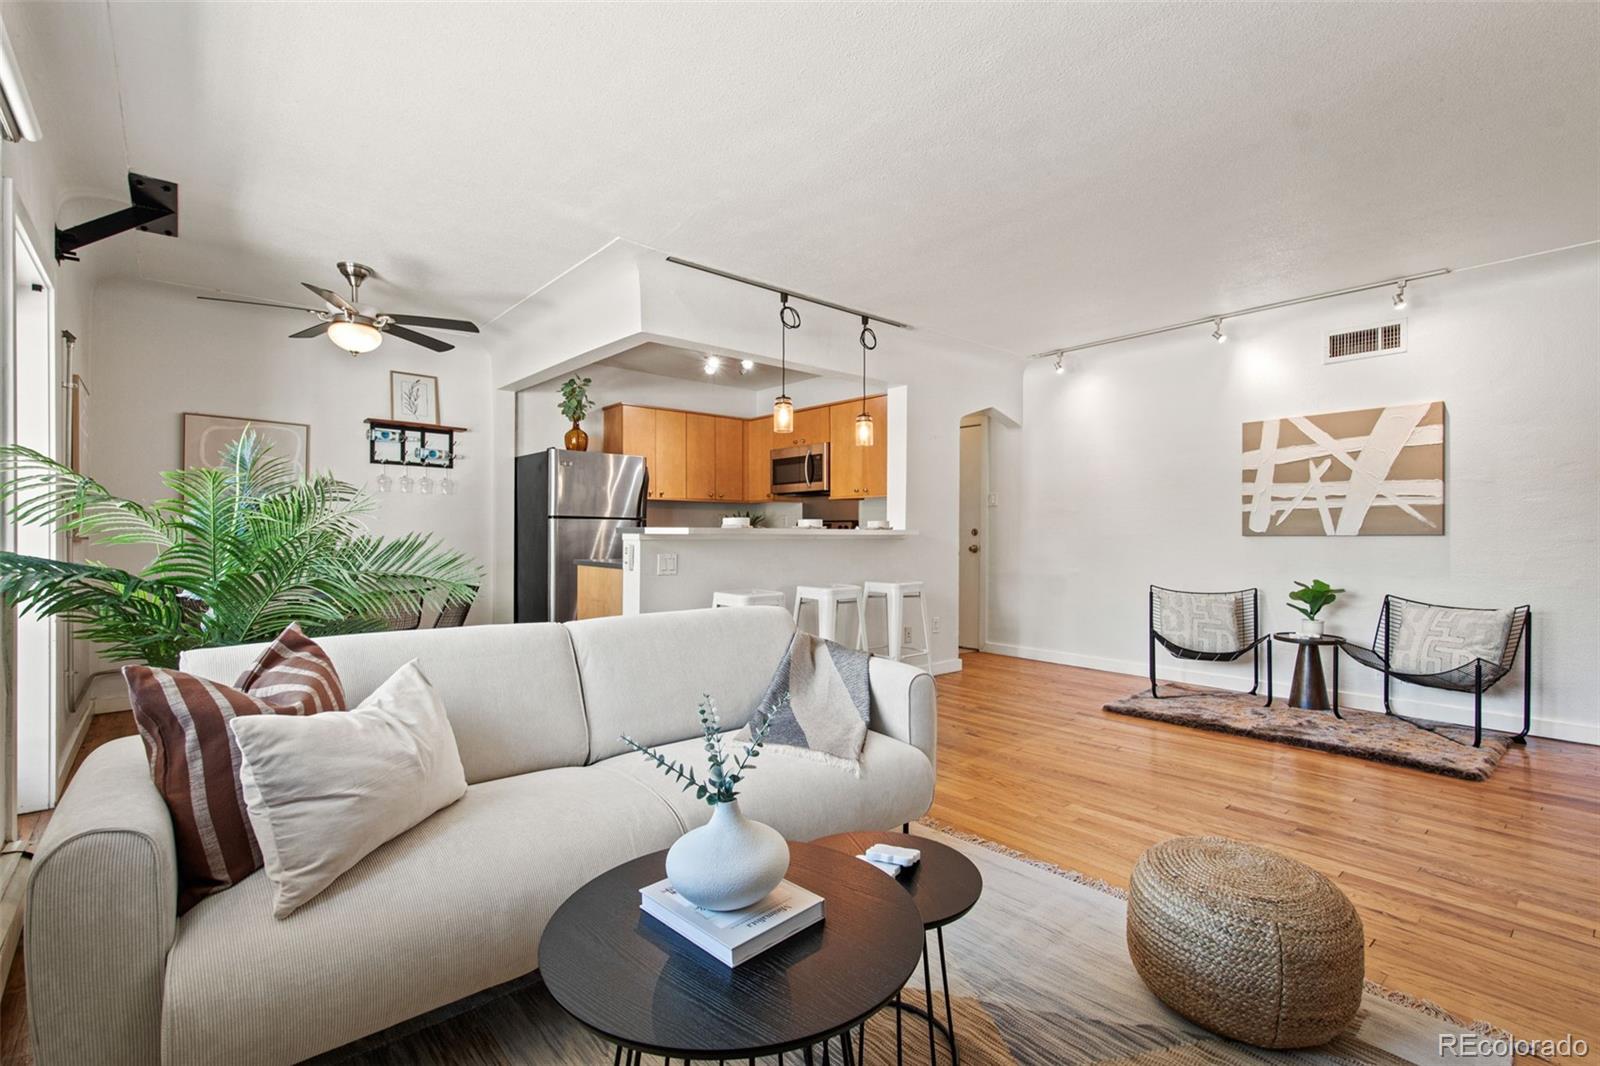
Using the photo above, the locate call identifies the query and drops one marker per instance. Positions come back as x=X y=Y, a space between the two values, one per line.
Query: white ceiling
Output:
x=1017 y=175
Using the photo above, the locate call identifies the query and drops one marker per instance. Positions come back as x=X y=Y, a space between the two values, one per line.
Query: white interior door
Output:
x=974 y=448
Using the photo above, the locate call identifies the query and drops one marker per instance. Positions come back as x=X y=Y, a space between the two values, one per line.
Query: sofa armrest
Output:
x=102 y=907
x=904 y=705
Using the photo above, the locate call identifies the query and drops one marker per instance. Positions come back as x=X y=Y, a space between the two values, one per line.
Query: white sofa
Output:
x=457 y=904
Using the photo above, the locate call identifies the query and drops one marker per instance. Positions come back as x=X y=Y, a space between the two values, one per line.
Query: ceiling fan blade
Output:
x=419 y=338
x=434 y=323
x=333 y=298
x=259 y=303
x=315 y=331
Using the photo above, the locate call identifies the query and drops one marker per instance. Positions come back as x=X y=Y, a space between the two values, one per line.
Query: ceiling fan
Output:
x=355 y=328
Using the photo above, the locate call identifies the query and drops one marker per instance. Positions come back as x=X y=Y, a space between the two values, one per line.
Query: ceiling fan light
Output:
x=783 y=415
x=355 y=337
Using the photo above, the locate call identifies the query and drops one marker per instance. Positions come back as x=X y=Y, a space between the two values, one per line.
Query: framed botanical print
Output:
x=206 y=438
x=413 y=397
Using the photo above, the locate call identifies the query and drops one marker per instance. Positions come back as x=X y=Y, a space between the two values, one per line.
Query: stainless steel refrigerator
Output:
x=571 y=506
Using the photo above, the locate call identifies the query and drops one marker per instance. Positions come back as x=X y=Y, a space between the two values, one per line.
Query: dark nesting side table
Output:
x=944 y=886
x=1308 y=691
x=643 y=988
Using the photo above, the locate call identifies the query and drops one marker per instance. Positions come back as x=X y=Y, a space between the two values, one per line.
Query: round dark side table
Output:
x=640 y=986
x=944 y=885
x=1308 y=691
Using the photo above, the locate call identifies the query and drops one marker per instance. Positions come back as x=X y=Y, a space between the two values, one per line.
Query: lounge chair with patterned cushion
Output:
x=1462 y=649
x=1212 y=627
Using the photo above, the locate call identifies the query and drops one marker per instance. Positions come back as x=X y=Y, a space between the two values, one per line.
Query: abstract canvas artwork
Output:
x=1378 y=471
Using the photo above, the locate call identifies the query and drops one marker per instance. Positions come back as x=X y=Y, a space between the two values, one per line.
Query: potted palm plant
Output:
x=241 y=550
x=1312 y=599
x=576 y=405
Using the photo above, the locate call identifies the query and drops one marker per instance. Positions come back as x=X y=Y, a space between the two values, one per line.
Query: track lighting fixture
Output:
x=746 y=365
x=869 y=341
x=713 y=364
x=783 y=407
x=1398 y=284
x=1060 y=367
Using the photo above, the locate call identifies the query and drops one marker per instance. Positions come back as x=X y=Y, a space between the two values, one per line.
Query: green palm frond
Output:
x=242 y=550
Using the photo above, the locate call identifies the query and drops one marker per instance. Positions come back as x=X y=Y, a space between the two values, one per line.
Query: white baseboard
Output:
x=945 y=666
x=70 y=752
x=1358 y=696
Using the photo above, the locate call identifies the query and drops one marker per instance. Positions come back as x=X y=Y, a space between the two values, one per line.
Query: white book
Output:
x=734 y=936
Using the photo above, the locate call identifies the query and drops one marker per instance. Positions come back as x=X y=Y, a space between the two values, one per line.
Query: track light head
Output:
x=1400 y=297
x=712 y=364
x=1060 y=366
x=746 y=365
x=1216 y=332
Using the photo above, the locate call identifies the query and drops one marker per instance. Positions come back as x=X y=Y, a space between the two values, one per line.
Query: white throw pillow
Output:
x=325 y=790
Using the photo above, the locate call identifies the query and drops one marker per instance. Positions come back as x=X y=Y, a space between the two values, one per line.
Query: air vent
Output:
x=1385 y=339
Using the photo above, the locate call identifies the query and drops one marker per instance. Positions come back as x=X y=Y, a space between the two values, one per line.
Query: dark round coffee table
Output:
x=643 y=988
x=1308 y=691
x=944 y=885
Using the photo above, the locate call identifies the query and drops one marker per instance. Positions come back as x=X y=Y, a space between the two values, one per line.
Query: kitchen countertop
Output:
x=610 y=564
x=717 y=533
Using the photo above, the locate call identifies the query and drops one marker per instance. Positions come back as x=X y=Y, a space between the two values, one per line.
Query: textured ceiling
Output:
x=1018 y=176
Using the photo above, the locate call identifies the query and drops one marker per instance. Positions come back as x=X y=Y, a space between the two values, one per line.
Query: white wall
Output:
x=1126 y=472
x=162 y=352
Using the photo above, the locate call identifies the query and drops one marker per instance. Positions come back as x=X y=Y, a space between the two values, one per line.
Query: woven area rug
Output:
x=1040 y=976
x=1432 y=746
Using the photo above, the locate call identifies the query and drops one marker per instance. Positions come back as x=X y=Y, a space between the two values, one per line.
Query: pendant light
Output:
x=783 y=407
x=864 y=420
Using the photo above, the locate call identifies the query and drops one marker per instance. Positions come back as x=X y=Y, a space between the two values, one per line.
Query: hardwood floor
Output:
x=1481 y=896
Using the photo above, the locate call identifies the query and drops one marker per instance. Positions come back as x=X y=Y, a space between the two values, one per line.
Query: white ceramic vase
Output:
x=1311 y=627
x=728 y=863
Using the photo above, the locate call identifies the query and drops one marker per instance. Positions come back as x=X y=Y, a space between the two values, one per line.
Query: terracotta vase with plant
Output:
x=576 y=405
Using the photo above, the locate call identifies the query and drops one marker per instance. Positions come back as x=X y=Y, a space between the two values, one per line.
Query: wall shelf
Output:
x=393 y=442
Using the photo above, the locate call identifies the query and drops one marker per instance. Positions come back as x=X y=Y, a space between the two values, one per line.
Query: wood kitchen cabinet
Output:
x=669 y=478
x=856 y=472
x=729 y=480
x=758 y=459
x=631 y=430
x=700 y=475
x=811 y=426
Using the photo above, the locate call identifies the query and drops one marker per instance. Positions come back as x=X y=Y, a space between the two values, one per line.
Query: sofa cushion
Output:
x=451 y=907
x=644 y=674
x=798 y=795
x=183 y=719
x=511 y=690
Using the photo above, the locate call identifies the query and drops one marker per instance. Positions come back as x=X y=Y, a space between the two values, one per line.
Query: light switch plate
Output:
x=627 y=558
x=666 y=564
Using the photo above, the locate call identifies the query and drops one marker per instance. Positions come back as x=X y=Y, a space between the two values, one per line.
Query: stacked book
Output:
x=732 y=937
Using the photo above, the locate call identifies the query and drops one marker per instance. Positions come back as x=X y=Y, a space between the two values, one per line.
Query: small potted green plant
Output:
x=575 y=406
x=1309 y=600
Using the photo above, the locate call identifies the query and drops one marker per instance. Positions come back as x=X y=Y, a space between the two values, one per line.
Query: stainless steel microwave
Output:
x=800 y=471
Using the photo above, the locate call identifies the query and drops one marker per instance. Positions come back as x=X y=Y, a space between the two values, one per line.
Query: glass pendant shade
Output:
x=355 y=337
x=783 y=415
x=864 y=430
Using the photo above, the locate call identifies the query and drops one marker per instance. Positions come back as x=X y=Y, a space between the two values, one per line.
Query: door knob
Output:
x=973 y=548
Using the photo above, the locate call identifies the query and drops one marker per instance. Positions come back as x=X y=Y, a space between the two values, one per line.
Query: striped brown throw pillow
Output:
x=194 y=760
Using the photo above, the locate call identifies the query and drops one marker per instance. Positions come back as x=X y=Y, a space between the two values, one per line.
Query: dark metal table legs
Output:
x=947 y=1027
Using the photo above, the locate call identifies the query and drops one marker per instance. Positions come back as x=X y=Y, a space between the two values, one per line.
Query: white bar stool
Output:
x=828 y=598
x=895 y=594
x=747 y=598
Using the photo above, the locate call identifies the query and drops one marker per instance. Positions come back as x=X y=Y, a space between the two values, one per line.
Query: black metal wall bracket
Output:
x=154 y=210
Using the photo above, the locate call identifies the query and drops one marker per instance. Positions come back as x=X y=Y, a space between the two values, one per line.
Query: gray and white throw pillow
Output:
x=819 y=700
x=1430 y=640
x=1208 y=622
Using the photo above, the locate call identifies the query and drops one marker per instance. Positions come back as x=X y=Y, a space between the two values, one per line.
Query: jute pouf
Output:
x=1246 y=942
